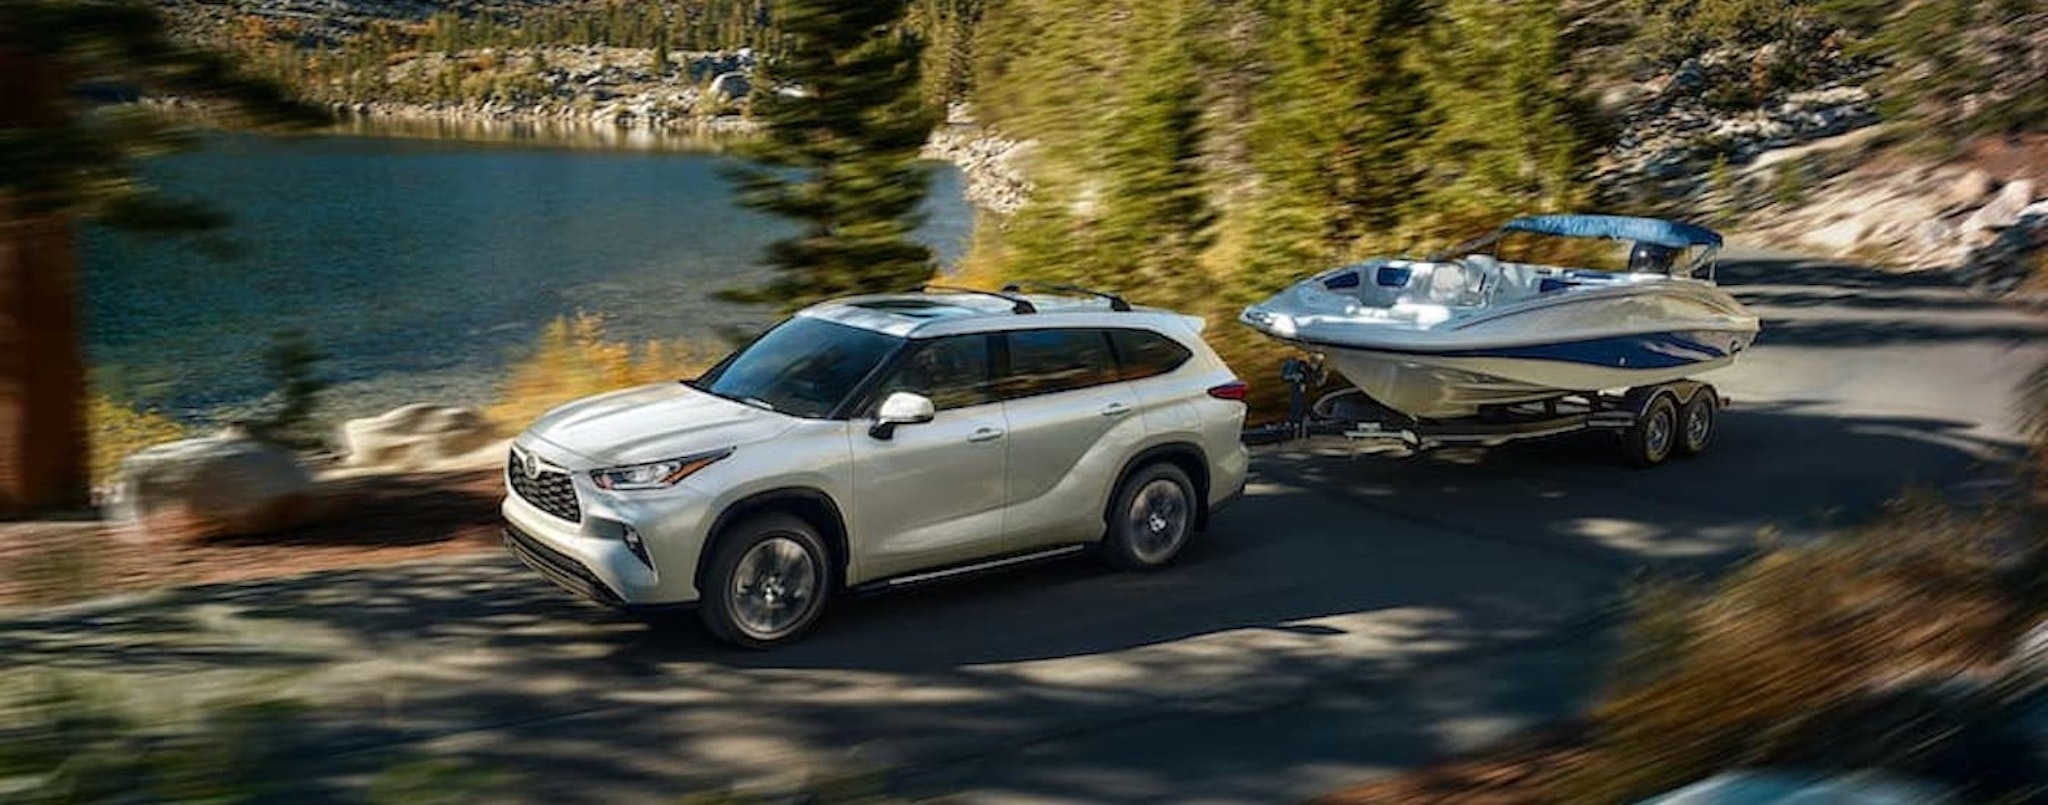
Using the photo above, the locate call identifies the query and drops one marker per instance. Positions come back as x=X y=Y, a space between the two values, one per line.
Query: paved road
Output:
x=1350 y=617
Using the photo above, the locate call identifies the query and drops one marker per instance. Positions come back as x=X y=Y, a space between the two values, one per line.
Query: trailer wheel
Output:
x=1655 y=433
x=1696 y=422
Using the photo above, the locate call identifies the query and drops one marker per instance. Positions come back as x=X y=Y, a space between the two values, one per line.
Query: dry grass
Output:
x=1779 y=663
x=1827 y=657
x=575 y=359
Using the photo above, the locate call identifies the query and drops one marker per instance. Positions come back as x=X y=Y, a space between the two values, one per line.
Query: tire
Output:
x=767 y=582
x=1655 y=434
x=1150 y=518
x=1697 y=420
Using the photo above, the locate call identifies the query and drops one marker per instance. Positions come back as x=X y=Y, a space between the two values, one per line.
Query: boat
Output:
x=1455 y=334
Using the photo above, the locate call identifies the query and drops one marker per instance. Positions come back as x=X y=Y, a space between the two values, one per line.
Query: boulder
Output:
x=1840 y=236
x=220 y=485
x=1933 y=235
x=2010 y=257
x=414 y=436
x=2029 y=661
x=1969 y=189
x=1782 y=788
x=2002 y=210
x=730 y=86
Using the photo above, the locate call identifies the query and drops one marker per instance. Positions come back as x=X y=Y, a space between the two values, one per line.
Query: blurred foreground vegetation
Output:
x=1887 y=647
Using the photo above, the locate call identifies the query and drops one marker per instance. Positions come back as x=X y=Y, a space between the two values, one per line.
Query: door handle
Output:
x=985 y=435
x=1116 y=409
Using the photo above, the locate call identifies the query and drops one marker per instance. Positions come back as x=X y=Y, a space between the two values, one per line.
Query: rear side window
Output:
x=953 y=372
x=1048 y=361
x=1143 y=353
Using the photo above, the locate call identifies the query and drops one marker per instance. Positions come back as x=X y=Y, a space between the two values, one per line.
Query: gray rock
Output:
x=1932 y=236
x=214 y=486
x=1970 y=188
x=1690 y=75
x=1840 y=236
x=1785 y=788
x=731 y=86
x=414 y=436
x=2003 y=210
x=2008 y=260
x=2029 y=661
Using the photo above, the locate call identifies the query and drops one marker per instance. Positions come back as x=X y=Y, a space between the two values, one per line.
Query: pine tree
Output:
x=845 y=153
x=1156 y=214
x=1507 y=137
x=1047 y=70
x=1338 y=124
x=64 y=163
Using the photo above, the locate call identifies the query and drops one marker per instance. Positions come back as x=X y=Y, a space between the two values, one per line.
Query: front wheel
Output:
x=767 y=582
x=1150 y=518
x=1655 y=433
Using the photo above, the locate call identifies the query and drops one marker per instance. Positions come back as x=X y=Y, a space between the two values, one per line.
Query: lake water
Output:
x=421 y=264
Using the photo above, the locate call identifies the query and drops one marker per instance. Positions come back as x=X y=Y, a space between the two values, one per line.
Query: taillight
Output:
x=1233 y=390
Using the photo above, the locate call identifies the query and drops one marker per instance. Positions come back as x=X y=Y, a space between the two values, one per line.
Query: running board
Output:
x=929 y=576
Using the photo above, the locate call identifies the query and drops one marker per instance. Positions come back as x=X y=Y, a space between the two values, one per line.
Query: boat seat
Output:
x=1454 y=284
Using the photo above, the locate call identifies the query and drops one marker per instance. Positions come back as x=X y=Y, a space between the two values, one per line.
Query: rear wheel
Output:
x=767 y=582
x=1655 y=434
x=1696 y=422
x=1150 y=518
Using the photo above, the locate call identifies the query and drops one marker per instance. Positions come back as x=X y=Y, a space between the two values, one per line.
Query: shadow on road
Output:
x=1816 y=303
x=1337 y=572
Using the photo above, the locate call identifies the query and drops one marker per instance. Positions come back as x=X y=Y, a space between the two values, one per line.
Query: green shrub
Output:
x=292 y=366
x=65 y=740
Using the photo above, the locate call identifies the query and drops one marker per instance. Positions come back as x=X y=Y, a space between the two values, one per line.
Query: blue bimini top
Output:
x=1617 y=227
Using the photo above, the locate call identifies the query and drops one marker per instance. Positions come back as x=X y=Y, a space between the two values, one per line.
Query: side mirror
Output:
x=901 y=408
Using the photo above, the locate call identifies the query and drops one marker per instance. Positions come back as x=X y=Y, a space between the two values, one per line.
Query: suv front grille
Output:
x=547 y=489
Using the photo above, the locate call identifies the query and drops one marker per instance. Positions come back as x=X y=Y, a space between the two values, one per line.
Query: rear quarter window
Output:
x=1048 y=361
x=1143 y=353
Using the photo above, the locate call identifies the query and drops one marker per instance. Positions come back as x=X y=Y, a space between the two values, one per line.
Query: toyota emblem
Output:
x=532 y=466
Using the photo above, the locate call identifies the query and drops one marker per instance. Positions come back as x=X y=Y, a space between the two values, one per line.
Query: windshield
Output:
x=803 y=367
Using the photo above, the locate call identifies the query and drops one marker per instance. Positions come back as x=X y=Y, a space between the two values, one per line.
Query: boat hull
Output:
x=1584 y=340
x=1449 y=386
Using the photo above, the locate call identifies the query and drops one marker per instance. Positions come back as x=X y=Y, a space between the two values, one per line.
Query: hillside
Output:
x=1132 y=139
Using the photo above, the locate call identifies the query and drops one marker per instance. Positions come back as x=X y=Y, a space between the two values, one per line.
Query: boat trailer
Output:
x=1652 y=423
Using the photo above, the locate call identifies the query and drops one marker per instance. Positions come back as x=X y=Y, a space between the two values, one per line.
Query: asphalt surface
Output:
x=1354 y=615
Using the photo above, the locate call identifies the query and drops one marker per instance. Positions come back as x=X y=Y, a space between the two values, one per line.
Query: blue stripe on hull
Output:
x=1645 y=351
x=1649 y=351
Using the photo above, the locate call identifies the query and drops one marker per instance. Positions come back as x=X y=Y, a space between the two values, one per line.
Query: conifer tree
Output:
x=61 y=162
x=843 y=150
x=1339 y=119
x=1507 y=137
x=1156 y=213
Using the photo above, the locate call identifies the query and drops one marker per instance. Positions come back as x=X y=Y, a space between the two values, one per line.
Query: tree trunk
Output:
x=42 y=370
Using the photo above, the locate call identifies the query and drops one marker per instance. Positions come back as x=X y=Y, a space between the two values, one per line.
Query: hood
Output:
x=651 y=423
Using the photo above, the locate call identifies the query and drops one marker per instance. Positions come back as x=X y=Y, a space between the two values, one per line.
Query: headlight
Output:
x=655 y=474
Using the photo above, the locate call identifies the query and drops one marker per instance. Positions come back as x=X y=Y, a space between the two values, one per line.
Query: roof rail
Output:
x=1116 y=303
x=1017 y=304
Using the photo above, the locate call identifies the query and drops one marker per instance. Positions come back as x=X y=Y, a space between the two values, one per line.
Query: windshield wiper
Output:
x=758 y=403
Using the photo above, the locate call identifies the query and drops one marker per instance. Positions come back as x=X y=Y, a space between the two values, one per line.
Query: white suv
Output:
x=877 y=441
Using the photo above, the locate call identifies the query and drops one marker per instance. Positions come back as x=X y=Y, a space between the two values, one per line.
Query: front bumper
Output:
x=555 y=566
x=590 y=557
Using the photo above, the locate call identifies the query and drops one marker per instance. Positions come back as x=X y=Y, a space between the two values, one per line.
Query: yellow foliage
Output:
x=574 y=359
x=116 y=431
